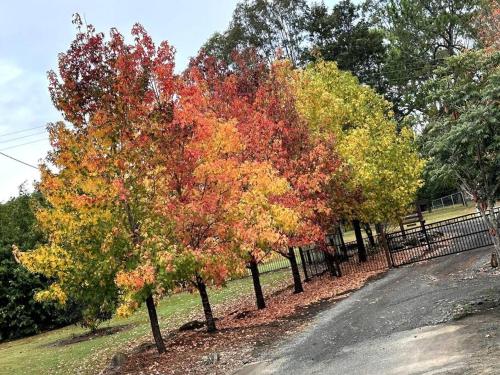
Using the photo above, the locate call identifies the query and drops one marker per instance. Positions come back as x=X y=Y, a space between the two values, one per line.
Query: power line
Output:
x=24 y=144
x=22 y=131
x=24 y=136
x=19 y=161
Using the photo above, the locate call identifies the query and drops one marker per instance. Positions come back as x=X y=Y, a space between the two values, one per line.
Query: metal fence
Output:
x=376 y=258
x=339 y=260
x=441 y=238
x=310 y=260
x=429 y=241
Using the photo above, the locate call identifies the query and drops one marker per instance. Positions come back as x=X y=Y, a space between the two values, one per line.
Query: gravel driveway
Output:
x=436 y=317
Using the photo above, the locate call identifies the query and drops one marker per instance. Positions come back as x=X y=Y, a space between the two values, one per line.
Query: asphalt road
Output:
x=436 y=317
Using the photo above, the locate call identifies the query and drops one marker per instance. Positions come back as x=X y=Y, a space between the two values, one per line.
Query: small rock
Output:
x=211 y=358
x=118 y=360
x=192 y=325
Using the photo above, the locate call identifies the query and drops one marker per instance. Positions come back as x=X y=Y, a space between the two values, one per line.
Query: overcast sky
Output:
x=33 y=32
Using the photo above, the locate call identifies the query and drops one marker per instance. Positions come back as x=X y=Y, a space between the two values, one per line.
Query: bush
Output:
x=20 y=314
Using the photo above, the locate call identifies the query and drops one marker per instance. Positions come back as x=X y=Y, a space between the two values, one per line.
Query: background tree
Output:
x=346 y=36
x=488 y=24
x=274 y=28
x=463 y=137
x=421 y=34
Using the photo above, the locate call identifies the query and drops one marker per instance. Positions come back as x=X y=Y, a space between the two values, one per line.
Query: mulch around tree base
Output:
x=243 y=331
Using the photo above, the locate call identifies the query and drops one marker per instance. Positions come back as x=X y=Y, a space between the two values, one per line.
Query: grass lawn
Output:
x=39 y=355
x=448 y=213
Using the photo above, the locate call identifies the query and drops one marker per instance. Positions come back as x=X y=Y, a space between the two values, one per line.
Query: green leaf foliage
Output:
x=463 y=136
x=20 y=314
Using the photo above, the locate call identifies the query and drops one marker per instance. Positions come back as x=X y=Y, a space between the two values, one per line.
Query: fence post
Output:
x=420 y=217
x=331 y=260
x=337 y=263
x=337 y=247
x=385 y=245
x=304 y=265
x=343 y=249
x=426 y=237
x=402 y=227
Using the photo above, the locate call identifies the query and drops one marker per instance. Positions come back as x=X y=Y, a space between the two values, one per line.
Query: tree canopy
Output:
x=463 y=136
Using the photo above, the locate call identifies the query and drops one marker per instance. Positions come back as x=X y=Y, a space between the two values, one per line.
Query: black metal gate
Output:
x=441 y=238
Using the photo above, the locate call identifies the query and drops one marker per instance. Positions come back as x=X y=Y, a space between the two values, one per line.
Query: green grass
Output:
x=38 y=355
x=448 y=213
x=429 y=217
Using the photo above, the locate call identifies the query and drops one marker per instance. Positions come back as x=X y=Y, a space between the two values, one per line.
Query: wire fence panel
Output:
x=449 y=200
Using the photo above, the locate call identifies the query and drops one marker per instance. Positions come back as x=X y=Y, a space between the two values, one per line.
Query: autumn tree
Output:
x=223 y=206
x=383 y=163
x=488 y=25
x=104 y=232
x=463 y=136
x=264 y=108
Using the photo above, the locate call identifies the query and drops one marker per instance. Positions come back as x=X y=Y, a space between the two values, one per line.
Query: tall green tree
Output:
x=273 y=28
x=346 y=36
x=463 y=135
x=421 y=34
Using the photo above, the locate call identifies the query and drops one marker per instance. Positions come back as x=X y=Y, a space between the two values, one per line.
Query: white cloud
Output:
x=24 y=104
x=8 y=72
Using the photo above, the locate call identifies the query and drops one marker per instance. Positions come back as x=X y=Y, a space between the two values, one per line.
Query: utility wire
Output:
x=19 y=161
x=22 y=131
x=16 y=138
x=24 y=144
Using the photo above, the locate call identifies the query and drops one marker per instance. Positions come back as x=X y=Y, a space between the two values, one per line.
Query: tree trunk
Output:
x=295 y=271
x=155 y=327
x=492 y=223
x=209 y=318
x=259 y=296
x=369 y=233
x=363 y=256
